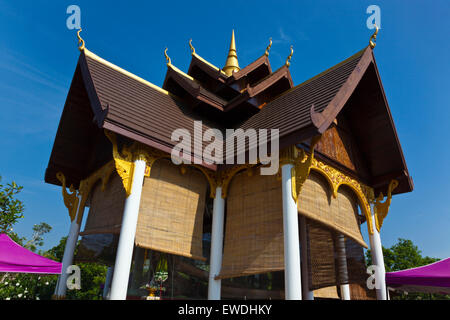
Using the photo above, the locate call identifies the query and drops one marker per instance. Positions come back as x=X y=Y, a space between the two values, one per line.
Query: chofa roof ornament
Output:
x=80 y=41
x=268 y=47
x=288 y=60
x=373 y=38
x=191 y=46
x=167 y=57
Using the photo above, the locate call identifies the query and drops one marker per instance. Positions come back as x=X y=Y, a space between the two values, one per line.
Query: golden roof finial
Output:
x=373 y=38
x=167 y=57
x=232 y=64
x=191 y=46
x=288 y=60
x=268 y=47
x=80 y=40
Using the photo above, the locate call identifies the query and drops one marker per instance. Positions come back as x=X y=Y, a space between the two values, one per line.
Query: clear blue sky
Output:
x=38 y=55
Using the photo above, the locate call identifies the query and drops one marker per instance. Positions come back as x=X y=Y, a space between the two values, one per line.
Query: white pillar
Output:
x=106 y=290
x=306 y=293
x=71 y=243
x=292 y=276
x=342 y=266
x=125 y=247
x=215 y=261
x=377 y=259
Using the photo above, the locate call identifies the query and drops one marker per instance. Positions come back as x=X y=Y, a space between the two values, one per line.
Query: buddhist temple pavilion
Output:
x=209 y=230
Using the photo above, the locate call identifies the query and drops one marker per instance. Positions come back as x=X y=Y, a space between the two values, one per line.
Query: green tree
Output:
x=92 y=275
x=36 y=239
x=11 y=209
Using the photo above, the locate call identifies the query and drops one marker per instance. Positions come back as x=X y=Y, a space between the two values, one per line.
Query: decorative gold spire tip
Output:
x=373 y=38
x=268 y=47
x=191 y=46
x=232 y=64
x=167 y=57
x=80 y=41
x=288 y=60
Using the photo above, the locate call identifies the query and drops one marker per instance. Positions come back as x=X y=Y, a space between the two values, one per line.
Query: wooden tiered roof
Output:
x=104 y=96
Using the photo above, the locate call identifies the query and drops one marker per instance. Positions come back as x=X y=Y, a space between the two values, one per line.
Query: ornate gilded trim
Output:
x=302 y=167
x=373 y=38
x=382 y=208
x=70 y=199
x=169 y=61
x=86 y=185
x=227 y=175
x=80 y=197
x=191 y=47
x=124 y=163
x=337 y=178
x=222 y=178
x=80 y=41
x=288 y=60
x=268 y=48
x=211 y=176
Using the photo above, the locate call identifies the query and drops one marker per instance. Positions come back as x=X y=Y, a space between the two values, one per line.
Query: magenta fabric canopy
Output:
x=14 y=258
x=432 y=278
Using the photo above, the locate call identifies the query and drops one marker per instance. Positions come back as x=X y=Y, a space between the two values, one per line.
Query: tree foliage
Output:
x=11 y=208
x=36 y=239
x=92 y=275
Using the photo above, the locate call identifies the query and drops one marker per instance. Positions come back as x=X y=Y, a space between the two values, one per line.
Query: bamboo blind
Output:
x=106 y=207
x=341 y=214
x=356 y=266
x=254 y=226
x=171 y=211
x=326 y=292
x=321 y=263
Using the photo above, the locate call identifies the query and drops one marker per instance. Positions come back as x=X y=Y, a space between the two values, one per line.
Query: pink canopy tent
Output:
x=432 y=278
x=14 y=258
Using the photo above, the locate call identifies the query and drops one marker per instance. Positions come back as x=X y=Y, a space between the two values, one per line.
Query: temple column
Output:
x=109 y=274
x=306 y=293
x=215 y=264
x=342 y=266
x=292 y=276
x=71 y=242
x=376 y=251
x=125 y=247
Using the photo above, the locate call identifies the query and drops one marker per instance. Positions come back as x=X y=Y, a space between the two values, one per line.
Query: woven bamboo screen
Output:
x=356 y=266
x=321 y=263
x=327 y=292
x=106 y=207
x=254 y=226
x=171 y=211
x=341 y=214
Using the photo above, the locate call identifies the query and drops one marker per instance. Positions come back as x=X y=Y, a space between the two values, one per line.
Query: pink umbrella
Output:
x=432 y=278
x=15 y=259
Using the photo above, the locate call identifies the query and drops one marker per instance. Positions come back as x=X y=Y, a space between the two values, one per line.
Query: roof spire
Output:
x=192 y=47
x=80 y=40
x=232 y=64
x=288 y=60
x=169 y=62
x=268 y=47
x=373 y=38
